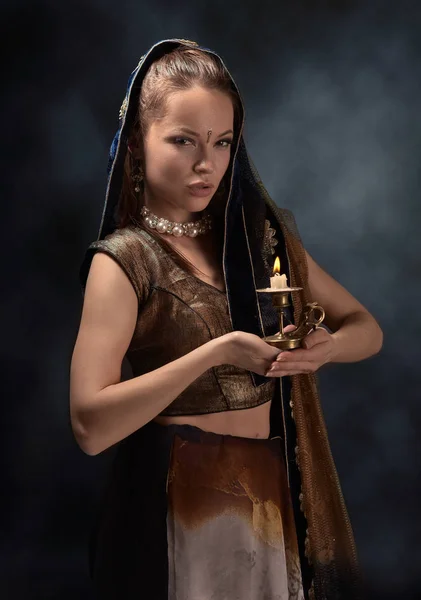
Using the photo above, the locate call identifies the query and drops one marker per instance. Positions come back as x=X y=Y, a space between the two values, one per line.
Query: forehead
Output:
x=200 y=108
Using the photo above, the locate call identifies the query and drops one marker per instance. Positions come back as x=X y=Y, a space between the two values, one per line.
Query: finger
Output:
x=282 y=369
x=312 y=355
x=268 y=354
x=315 y=337
x=287 y=329
x=288 y=373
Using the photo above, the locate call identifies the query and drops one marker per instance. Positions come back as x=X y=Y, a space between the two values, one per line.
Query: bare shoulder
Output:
x=108 y=285
x=106 y=328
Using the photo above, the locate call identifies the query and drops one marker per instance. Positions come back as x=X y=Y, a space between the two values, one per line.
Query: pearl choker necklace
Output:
x=177 y=229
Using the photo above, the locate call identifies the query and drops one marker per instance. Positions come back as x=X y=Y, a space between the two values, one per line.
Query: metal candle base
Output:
x=308 y=321
x=282 y=342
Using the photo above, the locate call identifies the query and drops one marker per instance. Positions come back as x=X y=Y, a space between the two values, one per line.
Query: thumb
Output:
x=307 y=343
x=288 y=328
x=312 y=339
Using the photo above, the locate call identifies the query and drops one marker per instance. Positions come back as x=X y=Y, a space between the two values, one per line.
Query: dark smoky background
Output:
x=333 y=94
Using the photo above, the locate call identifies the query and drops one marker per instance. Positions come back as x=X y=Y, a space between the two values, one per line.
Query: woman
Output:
x=218 y=489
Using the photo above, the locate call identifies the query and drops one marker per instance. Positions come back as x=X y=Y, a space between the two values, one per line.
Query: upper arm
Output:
x=337 y=302
x=107 y=324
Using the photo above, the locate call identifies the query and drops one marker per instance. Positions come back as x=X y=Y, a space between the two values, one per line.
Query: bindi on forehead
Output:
x=207 y=133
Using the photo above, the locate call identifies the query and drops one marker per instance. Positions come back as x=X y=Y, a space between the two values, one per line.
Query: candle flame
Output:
x=277 y=265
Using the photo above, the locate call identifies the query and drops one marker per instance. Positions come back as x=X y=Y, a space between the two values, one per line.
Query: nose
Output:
x=205 y=164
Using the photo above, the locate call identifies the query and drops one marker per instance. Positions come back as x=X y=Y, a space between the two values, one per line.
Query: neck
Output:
x=165 y=210
x=176 y=228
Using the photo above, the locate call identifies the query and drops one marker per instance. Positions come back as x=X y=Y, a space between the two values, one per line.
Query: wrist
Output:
x=335 y=347
x=218 y=351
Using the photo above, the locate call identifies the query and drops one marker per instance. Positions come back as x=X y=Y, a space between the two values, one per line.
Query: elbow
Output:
x=88 y=447
x=376 y=337
x=83 y=436
x=374 y=334
x=379 y=339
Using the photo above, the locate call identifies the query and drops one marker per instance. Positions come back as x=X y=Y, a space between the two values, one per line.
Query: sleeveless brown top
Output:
x=177 y=313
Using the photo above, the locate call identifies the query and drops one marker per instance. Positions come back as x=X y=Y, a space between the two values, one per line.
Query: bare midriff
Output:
x=248 y=422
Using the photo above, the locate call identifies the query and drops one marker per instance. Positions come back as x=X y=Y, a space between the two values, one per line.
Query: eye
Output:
x=227 y=143
x=180 y=141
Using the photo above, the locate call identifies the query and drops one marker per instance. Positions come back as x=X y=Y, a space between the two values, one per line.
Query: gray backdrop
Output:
x=332 y=93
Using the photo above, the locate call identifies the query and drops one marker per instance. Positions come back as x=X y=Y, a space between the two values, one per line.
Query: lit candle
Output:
x=278 y=281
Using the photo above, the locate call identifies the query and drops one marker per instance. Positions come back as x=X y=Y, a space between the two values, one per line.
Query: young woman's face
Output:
x=190 y=145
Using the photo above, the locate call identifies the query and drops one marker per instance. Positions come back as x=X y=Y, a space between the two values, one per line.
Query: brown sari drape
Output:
x=330 y=545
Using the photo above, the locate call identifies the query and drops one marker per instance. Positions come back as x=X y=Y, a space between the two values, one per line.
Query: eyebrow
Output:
x=191 y=132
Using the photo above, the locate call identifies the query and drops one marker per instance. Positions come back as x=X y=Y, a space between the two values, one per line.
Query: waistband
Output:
x=196 y=434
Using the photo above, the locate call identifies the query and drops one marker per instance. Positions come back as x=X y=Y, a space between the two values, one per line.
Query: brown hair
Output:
x=180 y=69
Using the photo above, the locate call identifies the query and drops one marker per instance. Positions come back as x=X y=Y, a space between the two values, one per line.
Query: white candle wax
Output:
x=278 y=281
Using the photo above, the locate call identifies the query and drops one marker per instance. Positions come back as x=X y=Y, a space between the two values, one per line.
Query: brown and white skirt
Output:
x=194 y=515
x=230 y=524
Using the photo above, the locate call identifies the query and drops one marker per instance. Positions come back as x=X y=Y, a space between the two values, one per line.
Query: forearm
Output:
x=359 y=337
x=120 y=409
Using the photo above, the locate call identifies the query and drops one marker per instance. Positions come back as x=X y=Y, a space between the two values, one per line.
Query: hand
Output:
x=318 y=349
x=244 y=350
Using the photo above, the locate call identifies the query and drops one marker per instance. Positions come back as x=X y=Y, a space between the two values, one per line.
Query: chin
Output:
x=197 y=205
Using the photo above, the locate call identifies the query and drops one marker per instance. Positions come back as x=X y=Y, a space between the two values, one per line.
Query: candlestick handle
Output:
x=309 y=320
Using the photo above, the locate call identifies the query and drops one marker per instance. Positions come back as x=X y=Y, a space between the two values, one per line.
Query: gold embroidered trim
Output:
x=269 y=243
x=123 y=108
x=270 y=239
x=188 y=42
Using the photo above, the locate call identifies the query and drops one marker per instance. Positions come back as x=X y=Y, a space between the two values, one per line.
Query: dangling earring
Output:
x=137 y=175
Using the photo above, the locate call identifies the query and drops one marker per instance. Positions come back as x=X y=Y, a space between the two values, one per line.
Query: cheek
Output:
x=222 y=163
x=165 y=166
x=226 y=160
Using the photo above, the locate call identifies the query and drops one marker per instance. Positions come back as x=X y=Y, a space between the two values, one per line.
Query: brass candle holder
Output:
x=312 y=315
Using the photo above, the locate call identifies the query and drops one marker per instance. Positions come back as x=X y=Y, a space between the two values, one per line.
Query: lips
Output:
x=201 y=186
x=201 y=190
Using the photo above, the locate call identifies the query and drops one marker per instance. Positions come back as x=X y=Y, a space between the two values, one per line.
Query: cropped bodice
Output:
x=177 y=313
